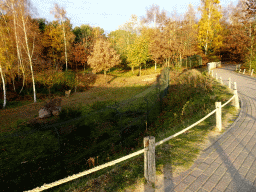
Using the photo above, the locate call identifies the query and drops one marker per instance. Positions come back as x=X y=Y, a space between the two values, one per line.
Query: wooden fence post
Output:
x=149 y=159
x=252 y=72
x=218 y=115
x=229 y=83
x=236 y=99
x=244 y=71
x=221 y=80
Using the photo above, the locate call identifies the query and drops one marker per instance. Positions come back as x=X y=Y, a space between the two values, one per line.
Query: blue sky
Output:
x=111 y=13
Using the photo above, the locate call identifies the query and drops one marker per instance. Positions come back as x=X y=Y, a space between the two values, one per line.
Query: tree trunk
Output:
x=30 y=58
x=132 y=69
x=180 y=61
x=65 y=43
x=18 y=48
x=140 y=70
x=155 y=65
x=23 y=79
x=4 y=90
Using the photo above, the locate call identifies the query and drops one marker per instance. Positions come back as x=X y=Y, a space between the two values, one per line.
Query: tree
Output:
x=84 y=33
x=154 y=15
x=120 y=39
x=53 y=46
x=236 y=40
x=133 y=25
x=209 y=28
x=80 y=55
x=251 y=20
x=138 y=52
x=5 y=61
x=60 y=13
x=29 y=38
x=103 y=56
x=189 y=24
x=157 y=44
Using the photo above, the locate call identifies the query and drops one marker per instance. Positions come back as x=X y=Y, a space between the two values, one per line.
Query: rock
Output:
x=56 y=111
x=50 y=108
x=44 y=113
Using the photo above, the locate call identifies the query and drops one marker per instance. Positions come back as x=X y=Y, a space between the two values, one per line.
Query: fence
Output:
x=47 y=147
x=190 y=62
x=238 y=69
x=213 y=65
x=149 y=145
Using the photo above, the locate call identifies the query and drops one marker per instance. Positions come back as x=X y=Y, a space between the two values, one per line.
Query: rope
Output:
x=184 y=130
x=228 y=101
x=75 y=176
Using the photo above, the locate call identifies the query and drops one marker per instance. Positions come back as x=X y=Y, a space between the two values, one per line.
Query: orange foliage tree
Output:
x=103 y=56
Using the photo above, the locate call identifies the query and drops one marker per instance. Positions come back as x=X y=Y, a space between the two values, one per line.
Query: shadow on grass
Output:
x=42 y=153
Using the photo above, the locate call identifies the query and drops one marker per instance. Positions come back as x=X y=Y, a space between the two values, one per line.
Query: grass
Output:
x=180 y=152
x=120 y=88
x=190 y=86
x=46 y=142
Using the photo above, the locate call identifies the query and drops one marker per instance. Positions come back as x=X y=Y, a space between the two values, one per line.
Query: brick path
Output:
x=229 y=164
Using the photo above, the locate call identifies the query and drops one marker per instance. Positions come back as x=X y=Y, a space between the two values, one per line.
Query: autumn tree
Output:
x=209 y=28
x=60 y=13
x=157 y=44
x=155 y=16
x=5 y=57
x=238 y=34
x=120 y=39
x=138 y=52
x=134 y=25
x=250 y=14
x=189 y=25
x=103 y=56
x=80 y=55
x=53 y=46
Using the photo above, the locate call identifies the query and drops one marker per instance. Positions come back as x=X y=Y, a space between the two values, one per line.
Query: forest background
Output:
x=39 y=57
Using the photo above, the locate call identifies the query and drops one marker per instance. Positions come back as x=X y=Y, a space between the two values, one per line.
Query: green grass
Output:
x=177 y=114
x=40 y=146
x=129 y=73
x=179 y=152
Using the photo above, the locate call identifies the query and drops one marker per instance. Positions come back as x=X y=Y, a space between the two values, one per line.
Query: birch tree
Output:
x=60 y=13
x=2 y=61
x=5 y=57
x=209 y=28
x=11 y=21
x=29 y=35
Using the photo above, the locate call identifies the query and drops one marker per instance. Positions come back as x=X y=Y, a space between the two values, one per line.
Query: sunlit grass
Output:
x=179 y=152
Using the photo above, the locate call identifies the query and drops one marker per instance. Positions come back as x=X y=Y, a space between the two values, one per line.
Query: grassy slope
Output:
x=183 y=150
x=118 y=86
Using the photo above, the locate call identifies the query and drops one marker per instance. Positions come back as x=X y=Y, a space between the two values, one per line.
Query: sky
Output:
x=111 y=13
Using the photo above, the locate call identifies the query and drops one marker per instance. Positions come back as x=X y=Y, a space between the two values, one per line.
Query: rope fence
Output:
x=149 y=147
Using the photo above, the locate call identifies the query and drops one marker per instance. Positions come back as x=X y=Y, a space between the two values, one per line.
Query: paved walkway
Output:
x=229 y=164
